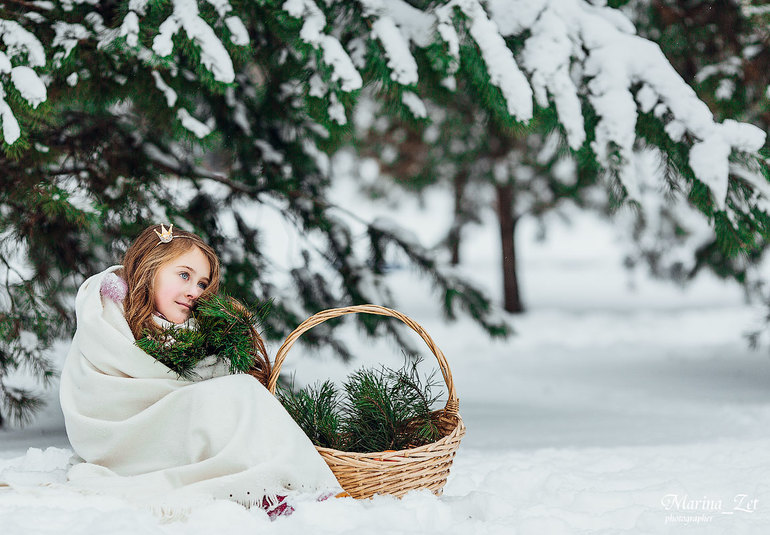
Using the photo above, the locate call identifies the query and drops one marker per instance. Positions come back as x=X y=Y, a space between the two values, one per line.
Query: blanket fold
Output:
x=144 y=432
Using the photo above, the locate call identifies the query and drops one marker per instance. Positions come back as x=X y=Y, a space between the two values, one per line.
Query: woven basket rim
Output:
x=452 y=404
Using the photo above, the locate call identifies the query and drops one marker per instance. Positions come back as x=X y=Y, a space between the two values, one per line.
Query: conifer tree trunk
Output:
x=460 y=181
x=511 y=298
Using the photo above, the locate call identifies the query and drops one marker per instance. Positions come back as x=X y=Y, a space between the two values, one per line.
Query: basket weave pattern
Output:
x=363 y=475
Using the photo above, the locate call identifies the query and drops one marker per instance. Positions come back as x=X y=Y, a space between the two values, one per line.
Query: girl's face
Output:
x=179 y=283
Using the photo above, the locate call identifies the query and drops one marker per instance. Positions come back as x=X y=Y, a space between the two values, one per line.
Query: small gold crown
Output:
x=165 y=235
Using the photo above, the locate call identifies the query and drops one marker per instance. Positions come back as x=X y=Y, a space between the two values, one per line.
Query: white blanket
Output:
x=145 y=433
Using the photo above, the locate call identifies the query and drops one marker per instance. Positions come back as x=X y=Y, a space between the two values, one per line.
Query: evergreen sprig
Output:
x=220 y=326
x=316 y=409
x=383 y=409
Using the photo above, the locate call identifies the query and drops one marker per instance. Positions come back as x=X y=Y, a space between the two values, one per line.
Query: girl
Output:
x=145 y=433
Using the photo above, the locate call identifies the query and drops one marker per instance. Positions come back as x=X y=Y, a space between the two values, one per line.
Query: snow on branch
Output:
x=601 y=42
x=547 y=55
x=394 y=42
x=67 y=37
x=22 y=44
x=334 y=54
x=501 y=65
x=574 y=52
x=185 y=16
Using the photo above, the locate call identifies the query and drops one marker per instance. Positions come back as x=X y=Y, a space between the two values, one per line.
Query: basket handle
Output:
x=452 y=404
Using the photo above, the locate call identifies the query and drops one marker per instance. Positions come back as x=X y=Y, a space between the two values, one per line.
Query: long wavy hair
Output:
x=141 y=263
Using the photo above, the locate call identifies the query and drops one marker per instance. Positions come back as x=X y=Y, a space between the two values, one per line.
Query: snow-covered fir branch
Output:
x=575 y=53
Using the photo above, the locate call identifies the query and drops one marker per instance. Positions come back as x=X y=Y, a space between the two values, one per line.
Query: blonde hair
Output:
x=141 y=263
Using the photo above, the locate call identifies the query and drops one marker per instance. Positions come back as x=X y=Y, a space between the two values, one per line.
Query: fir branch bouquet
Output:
x=382 y=409
x=220 y=326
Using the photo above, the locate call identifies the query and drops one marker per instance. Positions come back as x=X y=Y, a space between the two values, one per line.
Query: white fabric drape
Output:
x=143 y=432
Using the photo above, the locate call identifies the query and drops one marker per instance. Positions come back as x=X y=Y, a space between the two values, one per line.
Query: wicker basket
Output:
x=363 y=475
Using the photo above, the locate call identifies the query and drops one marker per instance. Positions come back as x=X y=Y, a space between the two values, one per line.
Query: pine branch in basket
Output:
x=390 y=409
x=373 y=420
x=316 y=409
x=383 y=409
x=422 y=425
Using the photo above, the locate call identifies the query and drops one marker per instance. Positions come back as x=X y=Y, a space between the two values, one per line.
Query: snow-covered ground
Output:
x=622 y=405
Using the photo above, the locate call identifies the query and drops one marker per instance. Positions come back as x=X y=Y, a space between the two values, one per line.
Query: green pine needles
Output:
x=221 y=326
x=382 y=409
x=316 y=409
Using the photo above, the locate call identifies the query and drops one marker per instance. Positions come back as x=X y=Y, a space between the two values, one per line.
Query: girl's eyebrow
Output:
x=191 y=269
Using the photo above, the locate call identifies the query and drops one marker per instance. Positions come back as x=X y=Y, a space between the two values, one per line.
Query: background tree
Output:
x=488 y=163
x=119 y=114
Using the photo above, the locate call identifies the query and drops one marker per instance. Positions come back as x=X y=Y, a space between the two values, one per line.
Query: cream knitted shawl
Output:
x=143 y=432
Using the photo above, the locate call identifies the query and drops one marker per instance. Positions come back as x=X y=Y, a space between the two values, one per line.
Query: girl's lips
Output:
x=184 y=305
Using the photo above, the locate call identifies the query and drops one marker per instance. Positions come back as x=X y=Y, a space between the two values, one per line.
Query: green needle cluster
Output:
x=381 y=409
x=221 y=326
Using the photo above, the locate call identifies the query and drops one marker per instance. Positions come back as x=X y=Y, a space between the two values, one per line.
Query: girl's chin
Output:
x=178 y=318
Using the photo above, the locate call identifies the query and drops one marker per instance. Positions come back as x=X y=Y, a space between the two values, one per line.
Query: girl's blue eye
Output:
x=186 y=276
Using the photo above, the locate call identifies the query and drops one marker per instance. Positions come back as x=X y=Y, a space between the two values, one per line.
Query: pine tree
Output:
x=117 y=114
x=721 y=49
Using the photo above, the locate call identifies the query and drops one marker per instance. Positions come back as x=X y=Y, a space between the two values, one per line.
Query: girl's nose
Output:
x=194 y=292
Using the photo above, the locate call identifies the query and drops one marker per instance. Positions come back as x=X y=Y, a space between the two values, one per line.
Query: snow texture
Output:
x=67 y=37
x=416 y=25
x=29 y=85
x=547 y=56
x=11 y=130
x=240 y=36
x=167 y=91
x=415 y=104
x=222 y=7
x=19 y=42
x=400 y=60
x=501 y=65
x=337 y=110
x=573 y=50
x=602 y=41
x=192 y=124
x=515 y=16
x=394 y=34
x=130 y=28
x=139 y=6
x=185 y=16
